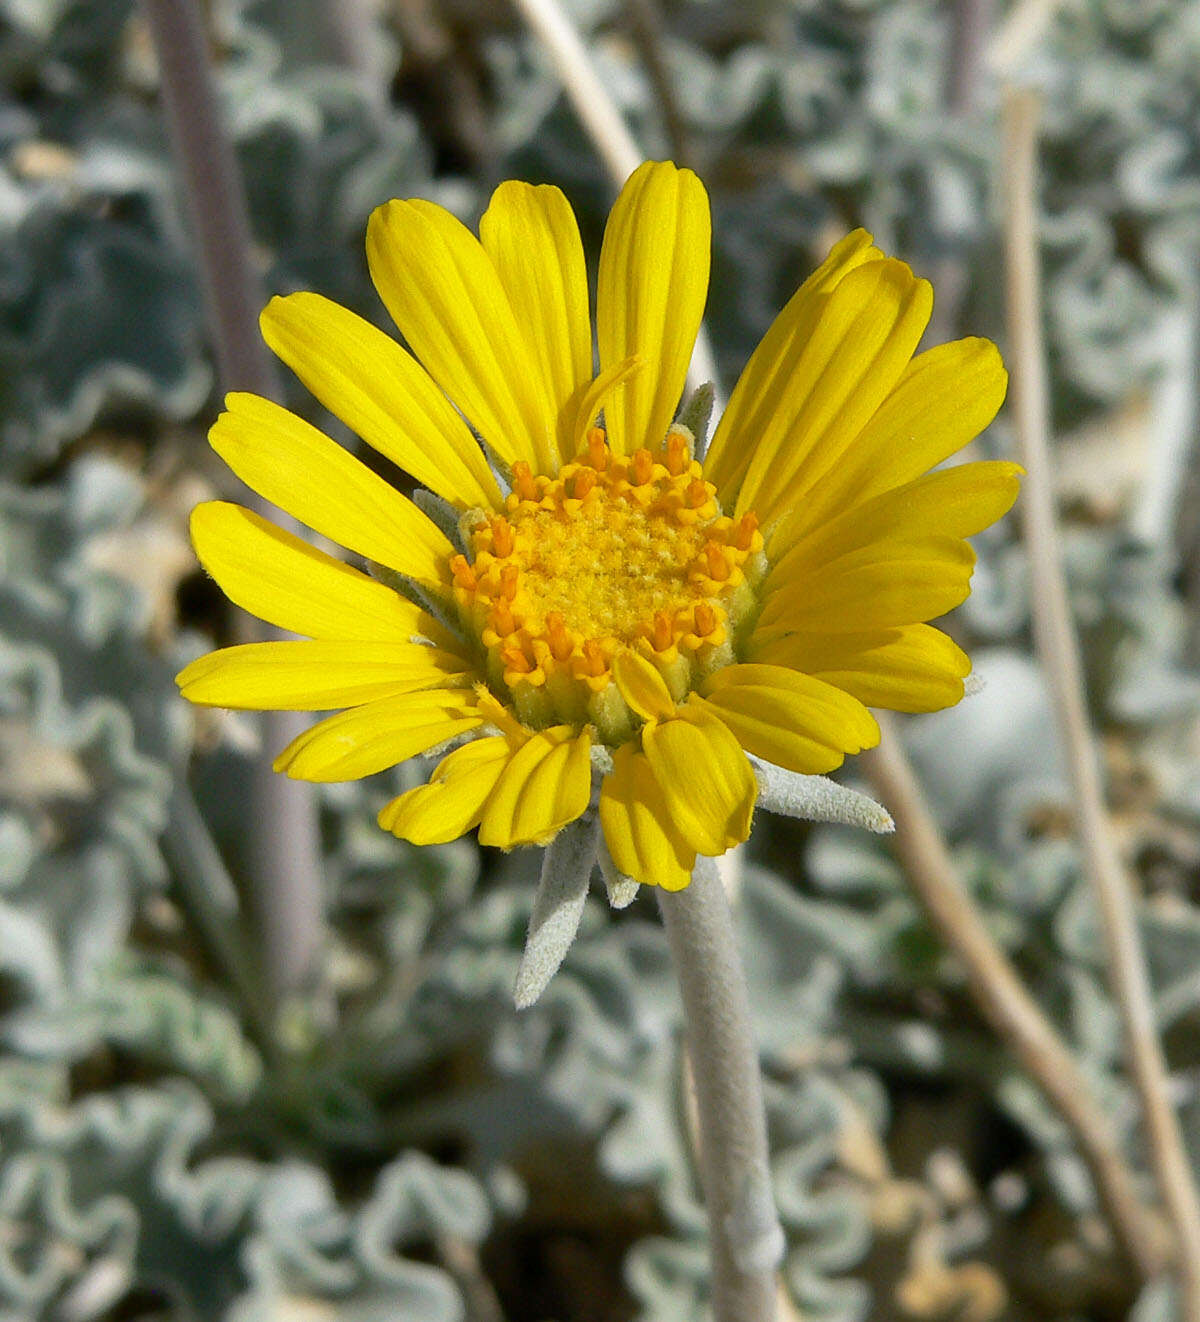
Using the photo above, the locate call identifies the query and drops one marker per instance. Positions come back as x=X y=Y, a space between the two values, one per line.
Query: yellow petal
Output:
x=913 y=669
x=788 y=718
x=288 y=583
x=531 y=236
x=596 y=397
x=366 y=379
x=944 y=399
x=650 y=296
x=704 y=775
x=888 y=584
x=953 y=502
x=546 y=785
x=451 y=804
x=316 y=676
x=754 y=397
x=444 y=294
x=642 y=687
x=378 y=735
x=860 y=343
x=642 y=840
x=502 y=718
x=293 y=465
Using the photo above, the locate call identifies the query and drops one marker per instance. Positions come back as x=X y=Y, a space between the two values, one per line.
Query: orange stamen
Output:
x=585 y=480
x=662 y=634
x=715 y=562
x=509 y=576
x=697 y=493
x=704 y=619
x=597 y=449
x=523 y=484
x=642 y=468
x=502 y=536
x=594 y=662
x=464 y=575
x=502 y=618
x=677 y=454
x=743 y=534
x=560 y=641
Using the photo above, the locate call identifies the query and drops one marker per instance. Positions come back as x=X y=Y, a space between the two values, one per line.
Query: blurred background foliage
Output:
x=409 y=1148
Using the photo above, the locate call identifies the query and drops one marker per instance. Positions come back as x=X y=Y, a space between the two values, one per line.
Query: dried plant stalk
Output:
x=1057 y=646
x=1006 y=1003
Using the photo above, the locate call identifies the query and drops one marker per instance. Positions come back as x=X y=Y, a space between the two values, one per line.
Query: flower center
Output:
x=614 y=552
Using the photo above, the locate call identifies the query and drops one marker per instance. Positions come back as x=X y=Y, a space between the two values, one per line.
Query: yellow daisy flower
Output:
x=585 y=612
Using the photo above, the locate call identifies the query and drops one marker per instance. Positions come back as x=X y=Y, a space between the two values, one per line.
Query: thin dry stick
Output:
x=1057 y=647
x=646 y=21
x=438 y=77
x=970 y=29
x=602 y=122
x=1004 y=1001
x=281 y=815
x=349 y=26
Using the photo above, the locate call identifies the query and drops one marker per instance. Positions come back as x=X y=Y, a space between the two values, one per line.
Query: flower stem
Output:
x=745 y=1240
x=284 y=849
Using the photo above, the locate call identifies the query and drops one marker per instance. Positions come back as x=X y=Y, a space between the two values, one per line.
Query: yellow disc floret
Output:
x=614 y=552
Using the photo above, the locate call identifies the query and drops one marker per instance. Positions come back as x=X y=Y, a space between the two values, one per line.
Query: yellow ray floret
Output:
x=379 y=734
x=532 y=238
x=317 y=675
x=518 y=787
x=366 y=379
x=446 y=296
x=912 y=669
x=650 y=294
x=793 y=720
x=280 y=578
x=641 y=835
x=752 y=405
x=293 y=465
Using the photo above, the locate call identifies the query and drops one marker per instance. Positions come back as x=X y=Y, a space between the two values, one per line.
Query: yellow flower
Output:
x=612 y=612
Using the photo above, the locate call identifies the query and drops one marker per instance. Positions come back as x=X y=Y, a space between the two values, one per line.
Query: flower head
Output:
x=586 y=611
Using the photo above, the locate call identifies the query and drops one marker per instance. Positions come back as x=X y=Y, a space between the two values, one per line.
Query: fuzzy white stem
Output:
x=746 y=1242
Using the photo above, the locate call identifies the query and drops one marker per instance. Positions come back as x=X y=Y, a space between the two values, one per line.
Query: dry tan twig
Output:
x=646 y=22
x=1056 y=643
x=602 y=122
x=970 y=30
x=1004 y=1000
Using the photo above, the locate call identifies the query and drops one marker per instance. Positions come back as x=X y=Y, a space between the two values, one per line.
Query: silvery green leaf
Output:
x=621 y=890
x=441 y=513
x=696 y=415
x=817 y=799
x=557 y=906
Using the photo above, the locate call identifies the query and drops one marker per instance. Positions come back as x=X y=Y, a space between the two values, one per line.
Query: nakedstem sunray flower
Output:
x=613 y=617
